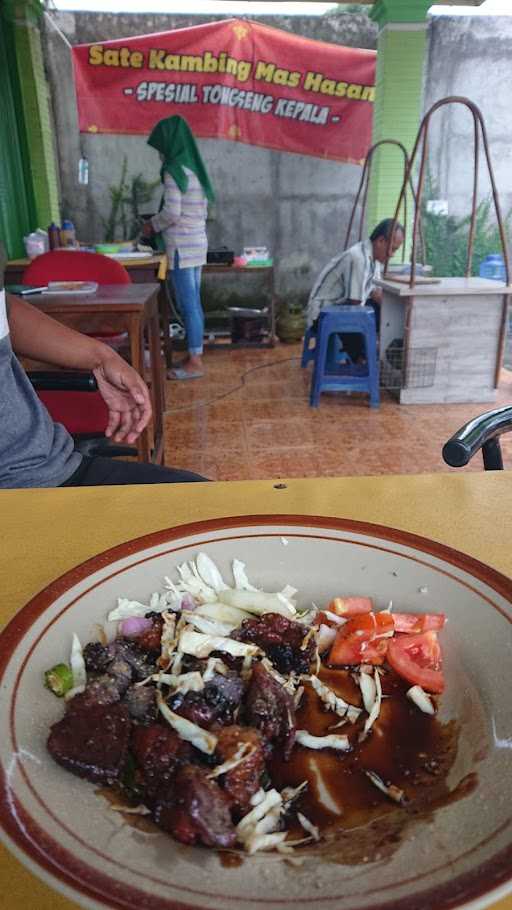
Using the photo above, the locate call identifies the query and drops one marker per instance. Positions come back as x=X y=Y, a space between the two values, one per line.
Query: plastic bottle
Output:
x=493 y=267
x=54 y=236
x=67 y=234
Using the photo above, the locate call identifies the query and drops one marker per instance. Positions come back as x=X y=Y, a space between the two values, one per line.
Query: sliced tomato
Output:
x=350 y=606
x=418 y=659
x=418 y=622
x=370 y=625
x=361 y=639
x=351 y=650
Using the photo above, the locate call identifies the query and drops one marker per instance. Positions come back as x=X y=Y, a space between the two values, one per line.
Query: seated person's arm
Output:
x=376 y=295
x=39 y=337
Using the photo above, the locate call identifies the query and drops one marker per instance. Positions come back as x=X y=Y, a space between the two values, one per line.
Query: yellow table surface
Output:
x=46 y=532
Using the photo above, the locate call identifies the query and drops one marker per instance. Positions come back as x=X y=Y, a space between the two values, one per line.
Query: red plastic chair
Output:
x=69 y=265
x=66 y=265
x=72 y=398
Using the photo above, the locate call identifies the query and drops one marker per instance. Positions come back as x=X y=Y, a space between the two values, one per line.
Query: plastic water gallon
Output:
x=493 y=267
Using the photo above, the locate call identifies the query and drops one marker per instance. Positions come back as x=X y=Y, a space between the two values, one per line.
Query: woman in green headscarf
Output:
x=182 y=222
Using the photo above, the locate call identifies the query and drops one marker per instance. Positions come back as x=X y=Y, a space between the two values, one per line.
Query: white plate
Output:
x=68 y=836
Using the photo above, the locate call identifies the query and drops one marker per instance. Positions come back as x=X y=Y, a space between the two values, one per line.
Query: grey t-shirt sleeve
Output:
x=34 y=451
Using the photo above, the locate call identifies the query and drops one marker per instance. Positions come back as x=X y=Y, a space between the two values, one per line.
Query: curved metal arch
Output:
x=422 y=138
x=364 y=184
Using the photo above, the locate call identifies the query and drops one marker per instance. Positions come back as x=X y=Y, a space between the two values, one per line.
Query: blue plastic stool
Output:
x=332 y=375
x=335 y=353
x=308 y=351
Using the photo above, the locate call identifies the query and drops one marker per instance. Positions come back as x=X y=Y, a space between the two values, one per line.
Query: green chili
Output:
x=59 y=679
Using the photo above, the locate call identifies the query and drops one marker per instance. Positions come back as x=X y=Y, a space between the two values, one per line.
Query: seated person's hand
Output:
x=126 y=395
x=376 y=295
x=147 y=229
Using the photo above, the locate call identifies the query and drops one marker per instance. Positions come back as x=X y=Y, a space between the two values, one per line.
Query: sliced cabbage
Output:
x=222 y=613
x=168 y=637
x=375 y=710
x=368 y=690
x=192 y=583
x=242 y=583
x=242 y=754
x=214 y=665
x=209 y=572
x=209 y=626
x=203 y=740
x=308 y=826
x=331 y=741
x=421 y=699
x=258 y=602
x=338 y=620
x=325 y=637
x=340 y=707
x=127 y=608
x=78 y=670
x=77 y=663
x=184 y=682
x=199 y=645
x=263 y=803
x=258 y=842
x=390 y=790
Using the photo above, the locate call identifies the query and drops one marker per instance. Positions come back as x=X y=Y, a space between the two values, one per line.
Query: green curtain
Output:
x=17 y=208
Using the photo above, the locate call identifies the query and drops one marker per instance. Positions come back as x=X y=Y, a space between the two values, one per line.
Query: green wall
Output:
x=397 y=113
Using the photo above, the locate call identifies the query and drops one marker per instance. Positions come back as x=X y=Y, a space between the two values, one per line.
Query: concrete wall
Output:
x=297 y=206
x=470 y=56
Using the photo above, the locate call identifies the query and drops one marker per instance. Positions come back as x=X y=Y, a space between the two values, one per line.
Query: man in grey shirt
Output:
x=35 y=451
x=349 y=278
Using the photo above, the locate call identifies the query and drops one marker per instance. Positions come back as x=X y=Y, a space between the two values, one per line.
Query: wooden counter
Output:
x=453 y=333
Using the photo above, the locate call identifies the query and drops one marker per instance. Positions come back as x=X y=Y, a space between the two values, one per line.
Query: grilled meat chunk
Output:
x=214 y=704
x=141 y=703
x=195 y=810
x=224 y=693
x=243 y=781
x=158 y=752
x=281 y=639
x=270 y=708
x=194 y=707
x=100 y=658
x=92 y=741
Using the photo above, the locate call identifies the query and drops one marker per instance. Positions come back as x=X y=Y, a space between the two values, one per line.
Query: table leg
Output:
x=137 y=360
x=157 y=384
x=165 y=322
x=272 y=320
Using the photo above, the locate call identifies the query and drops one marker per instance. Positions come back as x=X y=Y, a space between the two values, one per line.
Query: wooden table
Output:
x=148 y=270
x=457 y=510
x=131 y=308
x=142 y=271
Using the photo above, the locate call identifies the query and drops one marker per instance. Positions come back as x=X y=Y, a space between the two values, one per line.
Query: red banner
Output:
x=233 y=80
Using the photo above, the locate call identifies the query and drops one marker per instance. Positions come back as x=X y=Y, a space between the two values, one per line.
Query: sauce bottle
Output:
x=67 y=234
x=54 y=236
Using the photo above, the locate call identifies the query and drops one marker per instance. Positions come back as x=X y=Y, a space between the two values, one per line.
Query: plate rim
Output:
x=468 y=884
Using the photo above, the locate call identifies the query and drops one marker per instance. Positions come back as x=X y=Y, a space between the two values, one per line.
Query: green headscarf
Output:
x=174 y=139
